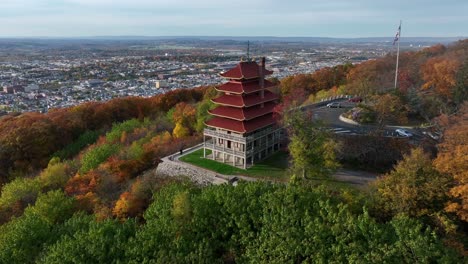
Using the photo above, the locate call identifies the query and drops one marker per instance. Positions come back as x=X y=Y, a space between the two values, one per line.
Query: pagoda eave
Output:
x=246 y=70
x=245 y=101
x=242 y=114
x=240 y=88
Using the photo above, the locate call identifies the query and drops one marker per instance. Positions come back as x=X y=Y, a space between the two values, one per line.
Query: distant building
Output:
x=8 y=89
x=13 y=89
x=160 y=84
x=94 y=82
x=31 y=87
x=243 y=130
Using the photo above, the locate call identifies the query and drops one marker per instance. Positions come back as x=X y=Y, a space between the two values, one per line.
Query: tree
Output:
x=389 y=108
x=28 y=139
x=202 y=114
x=312 y=152
x=413 y=187
x=452 y=160
x=84 y=140
x=101 y=242
x=184 y=113
x=290 y=85
x=23 y=239
x=372 y=76
x=460 y=93
x=181 y=208
x=96 y=155
x=24 y=190
x=439 y=74
x=54 y=207
x=55 y=175
x=180 y=131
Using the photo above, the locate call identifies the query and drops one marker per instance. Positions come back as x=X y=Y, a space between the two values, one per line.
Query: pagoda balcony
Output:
x=240 y=139
x=234 y=138
x=263 y=133
x=241 y=154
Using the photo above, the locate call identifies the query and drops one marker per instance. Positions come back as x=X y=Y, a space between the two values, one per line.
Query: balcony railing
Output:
x=214 y=133
x=240 y=139
x=263 y=133
x=228 y=150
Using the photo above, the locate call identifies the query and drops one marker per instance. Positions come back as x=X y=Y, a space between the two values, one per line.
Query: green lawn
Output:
x=273 y=168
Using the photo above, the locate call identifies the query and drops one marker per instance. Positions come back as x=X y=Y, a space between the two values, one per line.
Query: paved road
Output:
x=331 y=119
x=356 y=178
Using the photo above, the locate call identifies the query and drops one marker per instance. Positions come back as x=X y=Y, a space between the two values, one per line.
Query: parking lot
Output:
x=330 y=117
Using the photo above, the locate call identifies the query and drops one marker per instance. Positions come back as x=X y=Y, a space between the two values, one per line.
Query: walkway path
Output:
x=172 y=166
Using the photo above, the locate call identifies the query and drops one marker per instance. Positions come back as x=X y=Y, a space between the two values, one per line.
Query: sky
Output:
x=280 y=18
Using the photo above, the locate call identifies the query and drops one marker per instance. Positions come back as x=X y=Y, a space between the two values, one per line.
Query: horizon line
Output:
x=212 y=36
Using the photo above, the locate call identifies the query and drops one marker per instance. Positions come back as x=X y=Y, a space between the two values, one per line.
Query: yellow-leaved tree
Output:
x=413 y=187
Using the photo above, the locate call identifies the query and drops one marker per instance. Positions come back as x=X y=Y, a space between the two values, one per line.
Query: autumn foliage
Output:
x=452 y=160
x=79 y=184
x=28 y=140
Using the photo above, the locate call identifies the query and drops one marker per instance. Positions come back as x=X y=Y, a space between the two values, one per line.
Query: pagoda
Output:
x=242 y=129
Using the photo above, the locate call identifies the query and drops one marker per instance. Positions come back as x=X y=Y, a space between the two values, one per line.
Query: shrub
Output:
x=20 y=189
x=95 y=156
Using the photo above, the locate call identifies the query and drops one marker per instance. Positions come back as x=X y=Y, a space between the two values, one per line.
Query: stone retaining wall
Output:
x=198 y=175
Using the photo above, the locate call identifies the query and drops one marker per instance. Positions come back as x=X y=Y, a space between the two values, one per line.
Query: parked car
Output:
x=355 y=100
x=334 y=105
x=432 y=135
x=403 y=133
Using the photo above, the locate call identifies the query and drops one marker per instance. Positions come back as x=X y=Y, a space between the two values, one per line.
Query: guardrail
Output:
x=326 y=101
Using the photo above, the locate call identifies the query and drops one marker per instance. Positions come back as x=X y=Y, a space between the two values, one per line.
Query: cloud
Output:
x=240 y=17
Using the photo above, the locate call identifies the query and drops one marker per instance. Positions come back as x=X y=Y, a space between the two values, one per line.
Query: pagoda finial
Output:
x=248 y=50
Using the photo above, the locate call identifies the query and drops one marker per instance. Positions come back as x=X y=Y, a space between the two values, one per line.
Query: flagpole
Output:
x=398 y=55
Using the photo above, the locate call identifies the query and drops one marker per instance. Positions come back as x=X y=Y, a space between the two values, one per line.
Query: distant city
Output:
x=41 y=74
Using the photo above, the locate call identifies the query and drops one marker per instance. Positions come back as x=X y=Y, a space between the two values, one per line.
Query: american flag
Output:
x=397 y=36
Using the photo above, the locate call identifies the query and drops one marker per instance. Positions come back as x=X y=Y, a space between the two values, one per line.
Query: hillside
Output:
x=77 y=183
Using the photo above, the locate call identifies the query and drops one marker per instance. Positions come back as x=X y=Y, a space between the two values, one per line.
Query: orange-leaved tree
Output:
x=452 y=159
x=440 y=74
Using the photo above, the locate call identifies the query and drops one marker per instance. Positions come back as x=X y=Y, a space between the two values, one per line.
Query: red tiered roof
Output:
x=241 y=126
x=243 y=87
x=239 y=109
x=243 y=113
x=245 y=70
x=246 y=100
